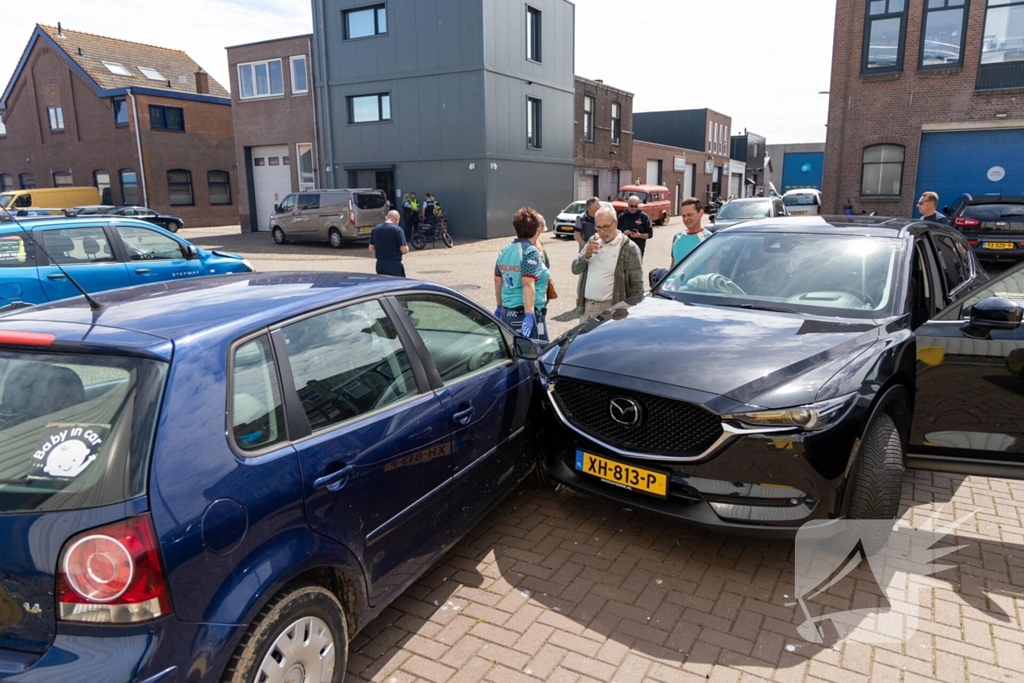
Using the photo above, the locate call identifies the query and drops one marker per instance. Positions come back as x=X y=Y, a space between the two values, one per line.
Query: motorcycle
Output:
x=434 y=230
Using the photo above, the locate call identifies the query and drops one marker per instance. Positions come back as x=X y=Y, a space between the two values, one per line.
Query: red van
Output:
x=655 y=201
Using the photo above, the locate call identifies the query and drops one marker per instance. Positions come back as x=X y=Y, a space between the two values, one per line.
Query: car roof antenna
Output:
x=6 y=215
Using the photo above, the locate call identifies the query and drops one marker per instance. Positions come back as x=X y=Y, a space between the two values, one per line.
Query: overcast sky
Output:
x=763 y=68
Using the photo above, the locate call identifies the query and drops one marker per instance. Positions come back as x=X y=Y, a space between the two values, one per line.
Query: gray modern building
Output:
x=469 y=99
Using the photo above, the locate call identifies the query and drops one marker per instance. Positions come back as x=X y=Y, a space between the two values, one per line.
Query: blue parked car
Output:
x=100 y=253
x=227 y=478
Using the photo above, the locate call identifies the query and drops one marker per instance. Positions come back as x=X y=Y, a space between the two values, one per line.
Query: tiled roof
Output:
x=90 y=51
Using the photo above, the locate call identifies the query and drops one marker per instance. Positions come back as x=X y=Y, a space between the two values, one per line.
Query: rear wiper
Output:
x=752 y=307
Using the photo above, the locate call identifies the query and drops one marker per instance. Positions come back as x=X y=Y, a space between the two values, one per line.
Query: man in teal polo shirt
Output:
x=685 y=241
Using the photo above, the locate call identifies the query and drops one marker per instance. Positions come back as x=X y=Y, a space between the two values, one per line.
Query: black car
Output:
x=993 y=226
x=172 y=223
x=782 y=372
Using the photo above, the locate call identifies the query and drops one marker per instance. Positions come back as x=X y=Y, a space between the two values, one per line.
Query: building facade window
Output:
x=27 y=181
x=364 y=22
x=1004 y=32
x=101 y=180
x=588 y=118
x=882 y=173
x=129 y=187
x=369 y=108
x=220 y=187
x=307 y=178
x=534 y=138
x=120 y=105
x=300 y=79
x=260 y=79
x=179 y=188
x=56 y=116
x=6 y=182
x=3 y=127
x=942 y=36
x=533 y=34
x=884 y=33
x=63 y=179
x=616 y=123
x=166 y=118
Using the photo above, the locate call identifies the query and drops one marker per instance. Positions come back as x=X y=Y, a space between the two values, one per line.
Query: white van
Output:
x=335 y=216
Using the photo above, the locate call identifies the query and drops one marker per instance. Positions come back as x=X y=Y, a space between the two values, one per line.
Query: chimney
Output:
x=202 y=82
x=598 y=81
x=79 y=52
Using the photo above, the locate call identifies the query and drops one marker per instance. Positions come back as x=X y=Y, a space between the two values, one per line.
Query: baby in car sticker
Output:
x=67 y=451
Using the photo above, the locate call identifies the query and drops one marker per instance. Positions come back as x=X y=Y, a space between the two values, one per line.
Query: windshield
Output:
x=576 y=208
x=994 y=212
x=626 y=194
x=370 y=200
x=5 y=200
x=745 y=210
x=800 y=199
x=830 y=275
x=75 y=431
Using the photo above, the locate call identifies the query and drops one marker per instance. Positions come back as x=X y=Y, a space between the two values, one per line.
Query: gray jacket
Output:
x=629 y=275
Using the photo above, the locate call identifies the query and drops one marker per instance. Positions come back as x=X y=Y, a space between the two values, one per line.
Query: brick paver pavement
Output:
x=560 y=586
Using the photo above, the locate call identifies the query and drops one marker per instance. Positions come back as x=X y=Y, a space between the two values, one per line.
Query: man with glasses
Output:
x=928 y=206
x=610 y=269
x=635 y=224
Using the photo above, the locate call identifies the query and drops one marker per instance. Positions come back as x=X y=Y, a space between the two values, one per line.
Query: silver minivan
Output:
x=335 y=216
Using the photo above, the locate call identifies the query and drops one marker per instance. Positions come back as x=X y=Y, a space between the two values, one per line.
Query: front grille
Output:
x=670 y=428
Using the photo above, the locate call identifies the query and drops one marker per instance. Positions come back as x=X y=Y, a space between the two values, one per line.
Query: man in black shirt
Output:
x=387 y=243
x=585 y=228
x=636 y=224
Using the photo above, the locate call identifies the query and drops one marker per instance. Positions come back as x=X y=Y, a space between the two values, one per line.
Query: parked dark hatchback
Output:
x=783 y=369
x=171 y=223
x=993 y=226
x=227 y=479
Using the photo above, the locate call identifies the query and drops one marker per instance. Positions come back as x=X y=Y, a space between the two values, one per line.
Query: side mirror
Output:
x=277 y=208
x=525 y=349
x=945 y=209
x=191 y=253
x=656 y=276
x=995 y=313
x=711 y=218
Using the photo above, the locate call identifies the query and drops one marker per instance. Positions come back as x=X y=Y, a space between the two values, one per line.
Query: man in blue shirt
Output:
x=685 y=241
x=928 y=206
x=387 y=243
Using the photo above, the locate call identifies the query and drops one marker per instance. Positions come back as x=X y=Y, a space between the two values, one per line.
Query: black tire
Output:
x=272 y=625
x=279 y=236
x=417 y=240
x=663 y=220
x=337 y=241
x=878 y=476
x=173 y=226
x=447 y=239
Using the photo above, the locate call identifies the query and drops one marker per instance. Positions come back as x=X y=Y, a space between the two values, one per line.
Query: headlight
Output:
x=814 y=417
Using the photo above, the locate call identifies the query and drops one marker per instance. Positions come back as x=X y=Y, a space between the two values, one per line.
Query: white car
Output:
x=565 y=223
x=804 y=202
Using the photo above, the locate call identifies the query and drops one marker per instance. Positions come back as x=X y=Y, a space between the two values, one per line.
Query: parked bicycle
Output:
x=431 y=231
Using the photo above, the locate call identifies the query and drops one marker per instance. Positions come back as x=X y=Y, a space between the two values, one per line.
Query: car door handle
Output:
x=142 y=271
x=335 y=480
x=463 y=417
x=57 y=276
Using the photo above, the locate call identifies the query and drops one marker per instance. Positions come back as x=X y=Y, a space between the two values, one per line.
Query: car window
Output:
x=148 y=245
x=461 y=340
x=257 y=413
x=346 y=363
x=308 y=202
x=15 y=251
x=288 y=204
x=370 y=200
x=994 y=212
x=952 y=261
x=739 y=210
x=624 y=195
x=576 y=208
x=146 y=213
x=77 y=245
x=1010 y=286
x=802 y=199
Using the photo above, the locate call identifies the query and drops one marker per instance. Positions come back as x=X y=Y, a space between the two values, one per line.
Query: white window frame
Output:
x=616 y=123
x=291 y=73
x=56 y=116
x=153 y=74
x=252 y=66
x=534 y=35
x=589 y=105
x=3 y=127
x=116 y=68
x=304 y=187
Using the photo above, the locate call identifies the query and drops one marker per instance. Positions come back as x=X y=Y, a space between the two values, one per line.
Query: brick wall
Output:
x=602 y=153
x=644 y=151
x=893 y=108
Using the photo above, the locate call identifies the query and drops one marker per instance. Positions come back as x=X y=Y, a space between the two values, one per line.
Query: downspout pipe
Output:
x=138 y=148
x=324 y=97
x=316 y=131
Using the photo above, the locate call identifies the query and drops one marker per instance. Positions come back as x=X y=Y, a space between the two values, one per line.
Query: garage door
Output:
x=587 y=187
x=735 y=182
x=653 y=172
x=978 y=162
x=272 y=180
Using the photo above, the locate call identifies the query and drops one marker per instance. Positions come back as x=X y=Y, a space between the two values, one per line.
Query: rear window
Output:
x=75 y=431
x=15 y=251
x=370 y=200
x=800 y=200
x=994 y=212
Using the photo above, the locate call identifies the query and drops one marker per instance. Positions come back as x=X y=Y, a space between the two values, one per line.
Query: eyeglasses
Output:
x=923 y=201
x=605 y=227
x=634 y=206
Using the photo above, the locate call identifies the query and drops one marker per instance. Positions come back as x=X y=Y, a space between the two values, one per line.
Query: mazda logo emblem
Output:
x=625 y=411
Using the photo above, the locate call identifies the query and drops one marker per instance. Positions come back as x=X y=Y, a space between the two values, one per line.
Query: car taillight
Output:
x=351 y=213
x=963 y=222
x=972 y=243
x=113 y=575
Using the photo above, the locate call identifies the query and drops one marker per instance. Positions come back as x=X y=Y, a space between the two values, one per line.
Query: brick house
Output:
x=143 y=124
x=275 y=124
x=924 y=96
x=604 y=139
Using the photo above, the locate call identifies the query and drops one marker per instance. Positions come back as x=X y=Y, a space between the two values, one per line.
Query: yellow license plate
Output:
x=627 y=476
x=797 y=213
x=366 y=228
x=999 y=245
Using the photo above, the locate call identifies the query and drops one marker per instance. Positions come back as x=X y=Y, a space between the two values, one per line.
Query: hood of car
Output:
x=756 y=357
x=567 y=217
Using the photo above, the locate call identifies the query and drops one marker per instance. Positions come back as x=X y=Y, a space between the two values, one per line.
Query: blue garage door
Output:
x=979 y=162
x=802 y=170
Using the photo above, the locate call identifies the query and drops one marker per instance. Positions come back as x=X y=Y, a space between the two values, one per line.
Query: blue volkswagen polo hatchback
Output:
x=227 y=478
x=100 y=253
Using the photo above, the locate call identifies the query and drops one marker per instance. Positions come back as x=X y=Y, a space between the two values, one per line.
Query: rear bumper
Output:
x=352 y=234
x=988 y=254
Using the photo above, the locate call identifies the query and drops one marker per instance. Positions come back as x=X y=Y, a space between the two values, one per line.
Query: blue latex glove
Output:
x=498 y=311
x=529 y=323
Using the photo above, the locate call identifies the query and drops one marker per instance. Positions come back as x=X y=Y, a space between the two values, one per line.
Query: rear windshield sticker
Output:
x=67 y=451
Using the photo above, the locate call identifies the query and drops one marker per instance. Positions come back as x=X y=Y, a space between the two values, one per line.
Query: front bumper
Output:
x=564 y=228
